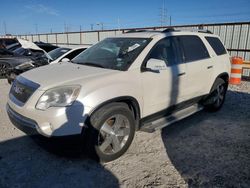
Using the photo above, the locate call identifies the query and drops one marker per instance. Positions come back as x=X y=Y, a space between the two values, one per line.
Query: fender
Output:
x=132 y=103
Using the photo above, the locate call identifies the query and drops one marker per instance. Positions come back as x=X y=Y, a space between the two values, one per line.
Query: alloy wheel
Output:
x=114 y=134
x=220 y=94
x=3 y=69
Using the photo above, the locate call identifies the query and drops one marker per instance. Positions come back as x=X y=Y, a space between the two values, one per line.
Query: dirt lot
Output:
x=204 y=150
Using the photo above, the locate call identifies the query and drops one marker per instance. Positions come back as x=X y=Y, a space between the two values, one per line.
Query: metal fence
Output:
x=235 y=36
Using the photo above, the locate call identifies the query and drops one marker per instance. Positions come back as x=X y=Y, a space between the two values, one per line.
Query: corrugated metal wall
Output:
x=235 y=36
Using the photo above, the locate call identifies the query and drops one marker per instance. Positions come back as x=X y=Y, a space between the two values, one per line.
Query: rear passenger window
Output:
x=193 y=48
x=216 y=44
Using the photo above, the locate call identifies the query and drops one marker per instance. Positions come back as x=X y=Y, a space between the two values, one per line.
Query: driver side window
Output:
x=166 y=50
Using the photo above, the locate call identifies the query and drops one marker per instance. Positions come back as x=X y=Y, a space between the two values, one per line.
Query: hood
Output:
x=64 y=74
x=28 y=45
x=15 y=60
x=31 y=45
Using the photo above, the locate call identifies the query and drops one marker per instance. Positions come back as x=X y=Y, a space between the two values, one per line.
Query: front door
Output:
x=167 y=87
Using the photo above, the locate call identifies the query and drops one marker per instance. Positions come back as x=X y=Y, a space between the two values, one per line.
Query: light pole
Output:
x=91 y=27
x=101 y=24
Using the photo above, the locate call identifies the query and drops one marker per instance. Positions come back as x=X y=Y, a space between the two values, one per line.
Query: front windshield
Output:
x=54 y=54
x=112 y=53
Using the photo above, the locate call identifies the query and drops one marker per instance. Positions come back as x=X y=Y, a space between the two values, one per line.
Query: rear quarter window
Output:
x=216 y=44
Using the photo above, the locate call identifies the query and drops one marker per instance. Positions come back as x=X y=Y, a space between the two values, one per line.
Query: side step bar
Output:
x=165 y=121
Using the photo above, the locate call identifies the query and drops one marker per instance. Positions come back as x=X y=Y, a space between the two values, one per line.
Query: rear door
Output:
x=199 y=66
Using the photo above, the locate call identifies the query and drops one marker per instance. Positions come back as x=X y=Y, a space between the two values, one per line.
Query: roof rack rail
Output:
x=136 y=30
x=204 y=31
x=170 y=29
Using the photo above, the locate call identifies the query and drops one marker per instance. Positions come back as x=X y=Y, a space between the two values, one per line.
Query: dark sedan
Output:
x=21 y=55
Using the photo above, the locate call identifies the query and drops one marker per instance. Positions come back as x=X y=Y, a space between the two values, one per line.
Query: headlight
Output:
x=58 y=97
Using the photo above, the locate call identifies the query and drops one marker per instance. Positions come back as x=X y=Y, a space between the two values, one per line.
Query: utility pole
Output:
x=170 y=20
x=65 y=28
x=102 y=26
x=91 y=27
x=5 y=27
x=36 y=28
x=163 y=14
x=118 y=23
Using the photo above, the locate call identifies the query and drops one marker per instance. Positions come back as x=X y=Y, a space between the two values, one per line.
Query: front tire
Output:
x=3 y=69
x=110 y=132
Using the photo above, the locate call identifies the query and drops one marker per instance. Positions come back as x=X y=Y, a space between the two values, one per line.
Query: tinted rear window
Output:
x=193 y=48
x=216 y=44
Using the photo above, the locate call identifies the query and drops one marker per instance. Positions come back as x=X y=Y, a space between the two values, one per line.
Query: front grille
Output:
x=21 y=90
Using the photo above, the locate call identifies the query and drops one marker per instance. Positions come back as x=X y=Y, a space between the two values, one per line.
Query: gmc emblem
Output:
x=17 y=89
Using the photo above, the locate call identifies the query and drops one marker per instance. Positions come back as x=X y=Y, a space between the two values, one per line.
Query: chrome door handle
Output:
x=181 y=74
x=209 y=67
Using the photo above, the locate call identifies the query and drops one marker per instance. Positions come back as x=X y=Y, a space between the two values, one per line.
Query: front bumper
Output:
x=63 y=121
x=54 y=121
x=26 y=125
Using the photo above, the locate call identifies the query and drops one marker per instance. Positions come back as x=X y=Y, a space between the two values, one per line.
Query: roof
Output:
x=144 y=34
x=170 y=31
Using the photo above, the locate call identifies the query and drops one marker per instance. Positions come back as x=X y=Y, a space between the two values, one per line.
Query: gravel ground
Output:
x=204 y=150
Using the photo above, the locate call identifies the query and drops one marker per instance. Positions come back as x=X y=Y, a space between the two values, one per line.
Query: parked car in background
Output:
x=55 y=56
x=5 y=42
x=9 y=43
x=4 y=51
x=66 y=54
x=27 y=53
x=45 y=46
x=136 y=81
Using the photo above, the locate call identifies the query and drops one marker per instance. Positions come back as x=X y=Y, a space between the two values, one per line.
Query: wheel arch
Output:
x=129 y=100
x=224 y=76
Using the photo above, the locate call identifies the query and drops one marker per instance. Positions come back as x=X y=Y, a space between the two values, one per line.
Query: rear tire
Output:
x=110 y=132
x=217 y=96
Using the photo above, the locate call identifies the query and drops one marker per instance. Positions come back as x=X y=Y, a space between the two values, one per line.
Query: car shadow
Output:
x=24 y=164
x=213 y=149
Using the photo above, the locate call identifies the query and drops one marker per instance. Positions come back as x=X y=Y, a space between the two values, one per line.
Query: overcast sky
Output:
x=43 y=16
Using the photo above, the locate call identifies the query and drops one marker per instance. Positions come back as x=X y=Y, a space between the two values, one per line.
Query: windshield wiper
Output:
x=91 y=64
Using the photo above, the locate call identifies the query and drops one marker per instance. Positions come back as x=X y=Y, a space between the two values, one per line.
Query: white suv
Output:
x=137 y=81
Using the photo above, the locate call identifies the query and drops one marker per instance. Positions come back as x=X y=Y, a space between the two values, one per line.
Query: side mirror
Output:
x=155 y=65
x=65 y=60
